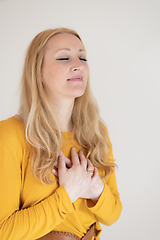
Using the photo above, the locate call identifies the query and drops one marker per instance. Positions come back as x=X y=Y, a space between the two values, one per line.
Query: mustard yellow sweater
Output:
x=30 y=209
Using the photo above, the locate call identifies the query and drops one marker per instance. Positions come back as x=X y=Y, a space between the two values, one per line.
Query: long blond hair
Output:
x=41 y=125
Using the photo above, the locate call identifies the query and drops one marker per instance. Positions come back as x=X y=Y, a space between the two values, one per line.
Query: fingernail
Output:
x=61 y=153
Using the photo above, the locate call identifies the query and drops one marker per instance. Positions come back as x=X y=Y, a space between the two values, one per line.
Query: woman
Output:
x=57 y=177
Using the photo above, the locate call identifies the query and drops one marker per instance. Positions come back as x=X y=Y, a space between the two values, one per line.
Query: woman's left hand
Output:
x=95 y=191
x=97 y=188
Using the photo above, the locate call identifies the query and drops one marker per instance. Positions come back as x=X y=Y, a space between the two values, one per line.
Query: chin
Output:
x=79 y=94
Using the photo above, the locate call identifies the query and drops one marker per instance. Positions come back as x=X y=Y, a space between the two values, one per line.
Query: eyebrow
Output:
x=67 y=49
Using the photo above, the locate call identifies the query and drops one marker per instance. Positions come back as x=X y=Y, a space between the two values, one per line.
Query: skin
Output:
x=75 y=178
x=65 y=73
x=64 y=59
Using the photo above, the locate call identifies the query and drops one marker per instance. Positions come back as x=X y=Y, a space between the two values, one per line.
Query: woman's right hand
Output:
x=76 y=180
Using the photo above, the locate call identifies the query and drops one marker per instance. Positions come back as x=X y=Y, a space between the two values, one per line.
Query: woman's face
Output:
x=65 y=70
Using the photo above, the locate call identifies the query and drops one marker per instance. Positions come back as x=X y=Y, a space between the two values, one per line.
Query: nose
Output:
x=74 y=69
x=76 y=65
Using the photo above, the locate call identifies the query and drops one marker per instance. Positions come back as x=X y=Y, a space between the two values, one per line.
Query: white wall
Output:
x=122 y=38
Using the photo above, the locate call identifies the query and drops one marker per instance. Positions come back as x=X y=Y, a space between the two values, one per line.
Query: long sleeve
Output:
x=38 y=218
x=108 y=208
x=34 y=221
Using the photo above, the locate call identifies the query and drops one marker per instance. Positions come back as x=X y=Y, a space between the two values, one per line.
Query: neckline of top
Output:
x=65 y=134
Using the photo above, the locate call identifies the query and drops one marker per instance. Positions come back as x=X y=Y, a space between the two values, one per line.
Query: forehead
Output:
x=63 y=41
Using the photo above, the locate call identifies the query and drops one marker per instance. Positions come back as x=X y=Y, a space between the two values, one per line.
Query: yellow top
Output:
x=30 y=209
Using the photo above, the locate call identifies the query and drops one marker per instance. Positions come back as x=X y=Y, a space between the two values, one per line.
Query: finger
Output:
x=68 y=163
x=83 y=160
x=55 y=164
x=61 y=161
x=89 y=165
x=74 y=157
x=95 y=174
x=54 y=172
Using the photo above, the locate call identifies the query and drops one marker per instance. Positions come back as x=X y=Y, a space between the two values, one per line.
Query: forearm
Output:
x=38 y=220
x=108 y=207
x=97 y=191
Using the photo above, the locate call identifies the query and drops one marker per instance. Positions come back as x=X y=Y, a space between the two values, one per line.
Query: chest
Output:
x=32 y=190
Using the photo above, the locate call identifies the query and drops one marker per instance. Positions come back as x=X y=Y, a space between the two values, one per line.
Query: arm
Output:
x=108 y=207
x=35 y=221
x=101 y=197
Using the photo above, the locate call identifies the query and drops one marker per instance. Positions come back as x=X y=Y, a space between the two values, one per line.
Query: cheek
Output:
x=87 y=69
x=87 y=73
x=48 y=74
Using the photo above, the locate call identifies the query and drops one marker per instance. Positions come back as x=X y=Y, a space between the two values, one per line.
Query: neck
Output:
x=63 y=112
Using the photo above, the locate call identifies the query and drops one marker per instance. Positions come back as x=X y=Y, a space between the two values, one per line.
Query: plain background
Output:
x=122 y=38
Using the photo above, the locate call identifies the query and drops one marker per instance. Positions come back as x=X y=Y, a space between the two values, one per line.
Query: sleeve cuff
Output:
x=64 y=200
x=103 y=201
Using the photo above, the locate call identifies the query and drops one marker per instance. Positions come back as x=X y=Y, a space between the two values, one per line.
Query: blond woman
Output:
x=57 y=178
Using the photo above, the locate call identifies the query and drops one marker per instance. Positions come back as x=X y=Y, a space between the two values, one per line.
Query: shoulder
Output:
x=12 y=131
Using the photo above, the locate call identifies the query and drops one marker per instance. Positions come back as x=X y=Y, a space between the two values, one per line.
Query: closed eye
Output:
x=63 y=59
x=66 y=59
x=83 y=59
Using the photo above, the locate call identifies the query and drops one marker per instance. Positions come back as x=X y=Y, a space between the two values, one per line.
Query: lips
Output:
x=75 y=79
